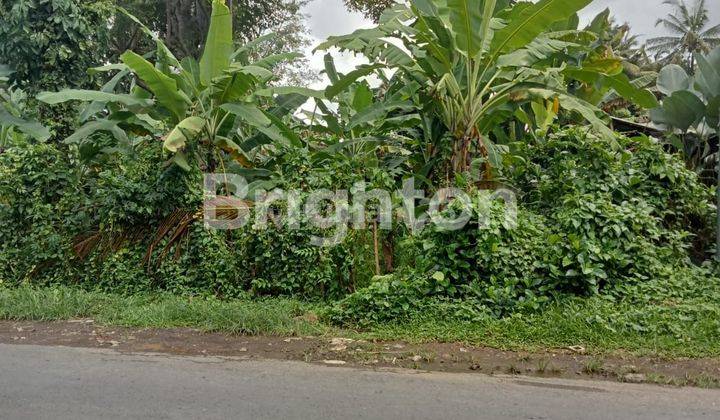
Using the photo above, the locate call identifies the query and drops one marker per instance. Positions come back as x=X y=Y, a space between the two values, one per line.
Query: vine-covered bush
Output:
x=38 y=190
x=593 y=217
x=574 y=165
x=64 y=222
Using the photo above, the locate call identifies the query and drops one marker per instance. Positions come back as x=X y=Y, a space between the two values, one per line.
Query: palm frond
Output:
x=663 y=40
x=671 y=26
x=683 y=26
x=700 y=15
x=715 y=30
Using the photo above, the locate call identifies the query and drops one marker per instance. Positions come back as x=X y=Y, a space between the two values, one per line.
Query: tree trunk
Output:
x=187 y=23
x=388 y=252
x=376 y=248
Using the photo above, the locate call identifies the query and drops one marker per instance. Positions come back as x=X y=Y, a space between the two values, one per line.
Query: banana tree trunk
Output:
x=462 y=156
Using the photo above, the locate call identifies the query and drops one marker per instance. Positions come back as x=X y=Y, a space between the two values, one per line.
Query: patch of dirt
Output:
x=339 y=351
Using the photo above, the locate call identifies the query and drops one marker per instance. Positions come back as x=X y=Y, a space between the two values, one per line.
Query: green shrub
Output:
x=591 y=219
x=35 y=211
x=573 y=165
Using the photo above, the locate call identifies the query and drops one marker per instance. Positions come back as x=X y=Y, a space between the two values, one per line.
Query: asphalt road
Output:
x=71 y=383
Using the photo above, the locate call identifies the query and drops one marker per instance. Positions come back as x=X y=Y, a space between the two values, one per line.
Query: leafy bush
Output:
x=592 y=219
x=37 y=187
x=636 y=175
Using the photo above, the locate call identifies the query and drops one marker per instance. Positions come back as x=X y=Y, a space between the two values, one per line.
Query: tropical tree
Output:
x=614 y=44
x=372 y=9
x=50 y=43
x=690 y=108
x=618 y=40
x=480 y=61
x=205 y=111
x=690 y=111
x=183 y=24
x=690 y=34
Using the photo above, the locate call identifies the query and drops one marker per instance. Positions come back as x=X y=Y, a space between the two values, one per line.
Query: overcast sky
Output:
x=329 y=17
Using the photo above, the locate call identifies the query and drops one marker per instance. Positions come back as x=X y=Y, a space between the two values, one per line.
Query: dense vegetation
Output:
x=481 y=95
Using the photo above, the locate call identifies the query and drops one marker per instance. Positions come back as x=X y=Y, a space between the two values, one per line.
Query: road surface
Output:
x=73 y=383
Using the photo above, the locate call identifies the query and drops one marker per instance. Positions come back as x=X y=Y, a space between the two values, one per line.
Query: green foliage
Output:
x=480 y=63
x=690 y=34
x=400 y=297
x=590 y=220
x=208 y=107
x=691 y=102
x=51 y=43
x=33 y=210
x=16 y=123
x=690 y=110
x=244 y=316
x=473 y=96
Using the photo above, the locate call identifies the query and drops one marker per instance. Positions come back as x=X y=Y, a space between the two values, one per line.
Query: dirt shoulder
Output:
x=339 y=351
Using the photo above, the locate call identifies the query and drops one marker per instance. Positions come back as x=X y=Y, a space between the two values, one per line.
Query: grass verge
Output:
x=688 y=328
x=267 y=316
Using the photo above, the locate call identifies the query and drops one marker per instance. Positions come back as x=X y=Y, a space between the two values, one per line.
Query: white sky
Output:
x=330 y=17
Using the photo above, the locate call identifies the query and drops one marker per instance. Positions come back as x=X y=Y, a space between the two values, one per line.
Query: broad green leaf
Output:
x=620 y=83
x=600 y=22
x=97 y=106
x=347 y=80
x=330 y=69
x=375 y=112
x=683 y=109
x=589 y=113
x=228 y=145
x=67 y=95
x=275 y=59
x=248 y=112
x=609 y=66
x=181 y=160
x=286 y=132
x=164 y=87
x=31 y=128
x=232 y=87
x=671 y=79
x=186 y=130
x=362 y=98
x=286 y=90
x=96 y=126
x=403 y=121
x=332 y=122
x=466 y=20
x=529 y=21
x=218 y=45
x=426 y=7
x=107 y=68
x=708 y=74
x=586 y=110
x=287 y=104
x=252 y=70
x=539 y=49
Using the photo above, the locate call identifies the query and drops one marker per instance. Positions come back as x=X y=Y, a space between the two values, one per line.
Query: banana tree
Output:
x=480 y=61
x=205 y=110
x=690 y=111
